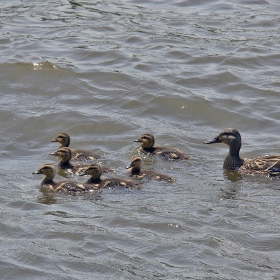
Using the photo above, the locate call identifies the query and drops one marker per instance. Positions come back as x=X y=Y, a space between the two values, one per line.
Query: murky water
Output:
x=106 y=72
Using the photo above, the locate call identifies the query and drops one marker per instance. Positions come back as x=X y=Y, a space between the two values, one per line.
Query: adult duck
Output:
x=262 y=165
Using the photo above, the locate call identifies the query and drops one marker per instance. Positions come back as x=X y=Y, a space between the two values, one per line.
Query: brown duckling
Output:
x=147 y=147
x=66 y=154
x=64 y=140
x=95 y=171
x=134 y=168
x=262 y=165
x=65 y=186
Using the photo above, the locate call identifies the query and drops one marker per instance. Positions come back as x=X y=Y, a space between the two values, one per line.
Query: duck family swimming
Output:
x=64 y=140
x=268 y=165
x=95 y=170
x=147 y=147
x=134 y=168
x=262 y=165
x=66 y=155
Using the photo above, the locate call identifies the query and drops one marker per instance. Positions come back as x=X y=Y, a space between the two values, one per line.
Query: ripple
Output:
x=107 y=72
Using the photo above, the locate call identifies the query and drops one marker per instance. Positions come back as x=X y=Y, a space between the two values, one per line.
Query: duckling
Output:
x=65 y=186
x=134 y=168
x=262 y=165
x=147 y=147
x=64 y=140
x=66 y=154
x=96 y=182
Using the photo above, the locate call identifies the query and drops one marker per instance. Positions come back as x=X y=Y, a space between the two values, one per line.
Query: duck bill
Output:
x=55 y=140
x=37 y=172
x=138 y=140
x=213 y=141
x=129 y=166
x=54 y=154
x=82 y=172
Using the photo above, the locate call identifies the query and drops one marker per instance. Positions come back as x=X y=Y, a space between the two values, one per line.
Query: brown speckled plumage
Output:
x=77 y=154
x=148 y=147
x=48 y=183
x=134 y=168
x=66 y=155
x=96 y=182
x=262 y=165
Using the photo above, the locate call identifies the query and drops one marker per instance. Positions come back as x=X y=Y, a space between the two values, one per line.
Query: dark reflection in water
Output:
x=47 y=197
x=233 y=176
x=231 y=192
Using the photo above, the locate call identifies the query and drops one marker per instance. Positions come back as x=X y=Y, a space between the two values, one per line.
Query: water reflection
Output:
x=229 y=193
x=63 y=173
x=46 y=198
x=233 y=176
x=50 y=197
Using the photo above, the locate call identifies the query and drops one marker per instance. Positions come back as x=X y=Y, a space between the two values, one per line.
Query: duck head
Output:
x=64 y=153
x=63 y=139
x=47 y=169
x=135 y=163
x=228 y=136
x=231 y=137
x=147 y=140
x=94 y=170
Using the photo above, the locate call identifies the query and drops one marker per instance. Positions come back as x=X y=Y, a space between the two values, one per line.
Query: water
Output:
x=106 y=72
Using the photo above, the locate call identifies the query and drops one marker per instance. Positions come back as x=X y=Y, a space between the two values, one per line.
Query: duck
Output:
x=82 y=155
x=148 y=147
x=96 y=182
x=66 y=155
x=48 y=183
x=134 y=168
x=262 y=165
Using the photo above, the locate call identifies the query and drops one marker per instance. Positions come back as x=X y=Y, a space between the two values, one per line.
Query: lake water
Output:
x=106 y=72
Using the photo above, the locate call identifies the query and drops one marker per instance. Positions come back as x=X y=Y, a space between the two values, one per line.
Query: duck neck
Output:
x=93 y=180
x=65 y=164
x=47 y=180
x=67 y=142
x=135 y=171
x=147 y=150
x=233 y=160
x=234 y=149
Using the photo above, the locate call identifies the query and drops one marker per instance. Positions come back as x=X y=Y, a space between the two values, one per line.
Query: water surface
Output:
x=107 y=72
